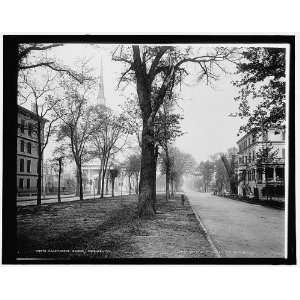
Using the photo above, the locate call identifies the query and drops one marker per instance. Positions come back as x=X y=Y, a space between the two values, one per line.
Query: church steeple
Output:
x=100 y=97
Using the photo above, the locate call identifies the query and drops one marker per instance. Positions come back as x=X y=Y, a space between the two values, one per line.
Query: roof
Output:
x=245 y=135
x=30 y=113
x=251 y=131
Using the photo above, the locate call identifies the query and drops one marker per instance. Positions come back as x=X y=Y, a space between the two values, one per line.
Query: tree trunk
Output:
x=39 y=181
x=172 y=187
x=104 y=169
x=80 y=182
x=106 y=186
x=39 y=165
x=154 y=188
x=58 y=188
x=102 y=183
x=137 y=183
x=147 y=178
x=99 y=182
x=112 y=187
x=77 y=183
x=167 y=175
x=129 y=185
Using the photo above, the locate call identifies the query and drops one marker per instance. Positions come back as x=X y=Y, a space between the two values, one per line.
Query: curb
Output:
x=212 y=244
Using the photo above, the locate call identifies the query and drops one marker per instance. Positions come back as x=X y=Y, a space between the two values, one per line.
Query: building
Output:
x=256 y=173
x=27 y=151
x=50 y=180
x=90 y=169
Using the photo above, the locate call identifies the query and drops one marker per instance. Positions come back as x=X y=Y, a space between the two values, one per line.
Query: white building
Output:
x=255 y=174
x=91 y=169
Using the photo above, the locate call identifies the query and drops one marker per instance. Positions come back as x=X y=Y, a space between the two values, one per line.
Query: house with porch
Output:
x=261 y=177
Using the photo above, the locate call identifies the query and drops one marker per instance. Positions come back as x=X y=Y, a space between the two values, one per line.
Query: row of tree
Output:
x=59 y=98
x=219 y=173
x=157 y=73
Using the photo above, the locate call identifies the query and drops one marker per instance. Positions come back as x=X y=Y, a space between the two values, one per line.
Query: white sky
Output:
x=208 y=127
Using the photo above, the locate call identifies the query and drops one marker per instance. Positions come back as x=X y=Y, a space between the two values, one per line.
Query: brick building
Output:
x=27 y=151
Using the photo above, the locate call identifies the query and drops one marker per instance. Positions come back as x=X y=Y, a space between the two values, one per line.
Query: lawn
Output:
x=110 y=228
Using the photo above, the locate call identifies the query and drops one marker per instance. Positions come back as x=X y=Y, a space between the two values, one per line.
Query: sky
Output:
x=207 y=126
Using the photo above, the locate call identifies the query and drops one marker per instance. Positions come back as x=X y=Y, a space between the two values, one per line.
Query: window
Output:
x=265 y=136
x=22 y=126
x=21 y=181
x=276 y=132
x=21 y=165
x=22 y=146
x=29 y=148
x=28 y=183
x=259 y=174
x=28 y=166
x=29 y=129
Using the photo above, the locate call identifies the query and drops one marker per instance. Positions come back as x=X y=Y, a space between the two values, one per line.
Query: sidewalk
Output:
x=64 y=198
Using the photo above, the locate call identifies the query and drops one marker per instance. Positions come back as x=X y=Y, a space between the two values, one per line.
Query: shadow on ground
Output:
x=109 y=228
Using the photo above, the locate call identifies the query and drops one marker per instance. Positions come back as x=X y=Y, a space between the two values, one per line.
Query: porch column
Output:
x=89 y=178
x=274 y=174
x=264 y=175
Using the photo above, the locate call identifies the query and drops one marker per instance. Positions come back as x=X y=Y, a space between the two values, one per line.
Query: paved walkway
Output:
x=240 y=229
x=64 y=198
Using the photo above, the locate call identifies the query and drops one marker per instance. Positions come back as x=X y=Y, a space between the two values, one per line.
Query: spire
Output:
x=100 y=97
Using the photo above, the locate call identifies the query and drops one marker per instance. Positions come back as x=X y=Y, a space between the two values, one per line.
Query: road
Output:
x=239 y=229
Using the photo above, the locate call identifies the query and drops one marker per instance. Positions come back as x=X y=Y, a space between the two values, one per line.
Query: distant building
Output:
x=91 y=169
x=50 y=180
x=27 y=151
x=256 y=175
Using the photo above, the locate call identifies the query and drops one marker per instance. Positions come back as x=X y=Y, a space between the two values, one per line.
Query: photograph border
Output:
x=9 y=209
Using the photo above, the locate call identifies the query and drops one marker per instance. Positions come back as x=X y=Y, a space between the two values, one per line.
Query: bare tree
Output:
x=113 y=172
x=41 y=93
x=58 y=160
x=133 y=167
x=156 y=71
x=167 y=129
x=75 y=119
x=35 y=55
x=108 y=137
x=180 y=163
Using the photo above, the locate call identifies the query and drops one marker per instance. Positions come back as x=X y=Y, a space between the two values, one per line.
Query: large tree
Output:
x=166 y=127
x=262 y=88
x=156 y=71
